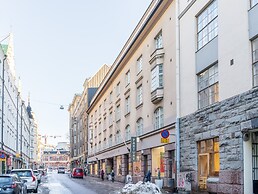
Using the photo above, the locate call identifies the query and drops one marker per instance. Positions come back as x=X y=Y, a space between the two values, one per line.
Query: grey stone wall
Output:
x=226 y=120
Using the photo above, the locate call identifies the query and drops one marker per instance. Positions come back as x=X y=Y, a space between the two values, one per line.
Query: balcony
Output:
x=157 y=95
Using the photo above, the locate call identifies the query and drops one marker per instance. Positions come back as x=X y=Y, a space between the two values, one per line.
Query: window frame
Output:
x=158 y=40
x=158 y=118
x=139 y=95
x=207 y=26
x=207 y=90
x=139 y=64
x=157 y=77
x=255 y=61
x=139 y=126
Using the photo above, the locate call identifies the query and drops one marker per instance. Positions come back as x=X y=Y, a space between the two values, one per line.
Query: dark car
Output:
x=77 y=173
x=12 y=184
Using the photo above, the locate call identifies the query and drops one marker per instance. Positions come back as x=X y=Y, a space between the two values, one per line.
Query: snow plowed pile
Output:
x=141 y=188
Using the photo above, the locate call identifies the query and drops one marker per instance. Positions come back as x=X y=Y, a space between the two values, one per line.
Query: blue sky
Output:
x=59 y=43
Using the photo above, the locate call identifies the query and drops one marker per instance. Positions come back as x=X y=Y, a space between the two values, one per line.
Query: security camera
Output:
x=246 y=136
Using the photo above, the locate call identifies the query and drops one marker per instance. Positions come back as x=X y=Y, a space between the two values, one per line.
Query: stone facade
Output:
x=227 y=120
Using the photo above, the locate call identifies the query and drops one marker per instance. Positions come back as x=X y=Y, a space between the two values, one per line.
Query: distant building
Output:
x=79 y=118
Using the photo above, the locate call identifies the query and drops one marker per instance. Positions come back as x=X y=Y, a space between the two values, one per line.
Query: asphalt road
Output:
x=55 y=183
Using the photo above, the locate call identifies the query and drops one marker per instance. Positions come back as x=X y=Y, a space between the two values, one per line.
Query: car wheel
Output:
x=36 y=190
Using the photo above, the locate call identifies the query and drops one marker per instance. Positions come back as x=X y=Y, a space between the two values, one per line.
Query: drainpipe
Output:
x=177 y=88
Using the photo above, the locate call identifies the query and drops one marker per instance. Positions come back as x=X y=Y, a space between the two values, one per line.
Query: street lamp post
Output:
x=2 y=126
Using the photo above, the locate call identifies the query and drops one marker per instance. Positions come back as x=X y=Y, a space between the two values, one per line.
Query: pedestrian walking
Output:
x=113 y=176
x=102 y=174
x=148 y=176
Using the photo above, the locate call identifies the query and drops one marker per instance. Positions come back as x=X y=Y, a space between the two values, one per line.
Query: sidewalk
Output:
x=116 y=186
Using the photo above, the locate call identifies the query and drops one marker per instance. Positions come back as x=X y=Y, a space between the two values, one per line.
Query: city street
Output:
x=55 y=183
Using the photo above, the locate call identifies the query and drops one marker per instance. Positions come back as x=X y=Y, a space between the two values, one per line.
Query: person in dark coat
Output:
x=112 y=175
x=102 y=174
x=148 y=176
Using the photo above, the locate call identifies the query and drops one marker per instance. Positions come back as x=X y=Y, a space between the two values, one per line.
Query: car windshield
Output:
x=78 y=170
x=26 y=173
x=35 y=172
x=4 y=180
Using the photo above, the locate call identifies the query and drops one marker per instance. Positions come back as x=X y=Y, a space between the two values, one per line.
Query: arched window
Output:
x=158 y=118
x=139 y=127
x=127 y=132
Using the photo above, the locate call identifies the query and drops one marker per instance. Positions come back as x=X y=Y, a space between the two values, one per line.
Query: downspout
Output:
x=177 y=88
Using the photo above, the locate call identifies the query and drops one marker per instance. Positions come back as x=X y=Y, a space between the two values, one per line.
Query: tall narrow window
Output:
x=127 y=105
x=127 y=78
x=158 y=41
x=157 y=77
x=208 y=86
x=128 y=132
x=139 y=95
x=255 y=62
x=208 y=160
x=139 y=64
x=159 y=118
x=207 y=24
x=139 y=127
x=118 y=112
x=118 y=89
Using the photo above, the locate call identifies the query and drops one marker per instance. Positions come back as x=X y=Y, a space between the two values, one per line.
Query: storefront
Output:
x=158 y=161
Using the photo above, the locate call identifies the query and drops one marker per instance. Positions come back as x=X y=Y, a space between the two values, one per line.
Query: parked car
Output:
x=28 y=175
x=77 y=173
x=38 y=175
x=61 y=169
x=12 y=184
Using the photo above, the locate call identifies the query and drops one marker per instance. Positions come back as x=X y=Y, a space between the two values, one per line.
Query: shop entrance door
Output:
x=145 y=163
x=255 y=163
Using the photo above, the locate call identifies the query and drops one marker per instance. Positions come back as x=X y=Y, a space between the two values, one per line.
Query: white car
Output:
x=38 y=174
x=28 y=175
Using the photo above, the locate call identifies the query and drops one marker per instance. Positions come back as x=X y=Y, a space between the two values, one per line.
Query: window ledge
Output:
x=212 y=180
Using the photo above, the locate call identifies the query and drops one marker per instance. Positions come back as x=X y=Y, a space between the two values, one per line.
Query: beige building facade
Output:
x=137 y=101
x=79 y=119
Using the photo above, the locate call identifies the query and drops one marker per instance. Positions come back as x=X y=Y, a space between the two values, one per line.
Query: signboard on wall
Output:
x=133 y=149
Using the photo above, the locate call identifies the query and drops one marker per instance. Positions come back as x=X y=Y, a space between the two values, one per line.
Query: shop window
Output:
x=137 y=165
x=158 y=161
x=208 y=160
x=119 y=165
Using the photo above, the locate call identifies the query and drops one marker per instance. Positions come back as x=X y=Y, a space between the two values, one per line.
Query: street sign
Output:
x=164 y=140
x=133 y=148
x=165 y=133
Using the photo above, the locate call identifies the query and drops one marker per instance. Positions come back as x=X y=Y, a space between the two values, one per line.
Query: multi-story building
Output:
x=52 y=158
x=219 y=95
x=137 y=101
x=15 y=122
x=79 y=118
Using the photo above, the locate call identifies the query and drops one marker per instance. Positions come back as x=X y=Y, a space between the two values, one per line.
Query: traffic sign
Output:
x=164 y=140
x=165 y=133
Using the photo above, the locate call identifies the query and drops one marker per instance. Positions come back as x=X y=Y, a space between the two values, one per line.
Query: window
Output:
x=253 y=2
x=208 y=160
x=157 y=77
x=255 y=61
x=139 y=95
x=207 y=24
x=158 y=41
x=127 y=78
x=110 y=119
x=127 y=132
x=118 y=136
x=159 y=118
x=208 y=86
x=139 y=127
x=118 y=89
x=127 y=105
x=139 y=64
x=110 y=98
x=118 y=112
